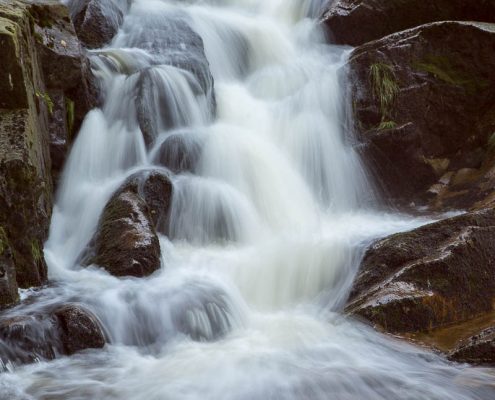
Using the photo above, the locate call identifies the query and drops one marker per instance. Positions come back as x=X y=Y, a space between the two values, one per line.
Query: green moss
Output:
x=442 y=68
x=45 y=97
x=70 y=115
x=385 y=88
x=36 y=251
x=4 y=241
x=491 y=142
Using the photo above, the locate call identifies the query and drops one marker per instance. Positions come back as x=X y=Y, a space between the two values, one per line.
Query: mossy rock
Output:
x=434 y=276
x=421 y=101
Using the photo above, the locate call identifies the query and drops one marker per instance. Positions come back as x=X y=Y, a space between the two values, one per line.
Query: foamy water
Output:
x=267 y=228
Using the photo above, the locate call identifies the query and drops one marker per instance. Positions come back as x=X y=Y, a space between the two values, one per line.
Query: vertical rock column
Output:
x=25 y=180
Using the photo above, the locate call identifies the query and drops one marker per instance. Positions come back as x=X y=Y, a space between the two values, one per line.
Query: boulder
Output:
x=79 y=329
x=355 y=22
x=439 y=274
x=179 y=152
x=25 y=180
x=97 y=21
x=126 y=242
x=49 y=334
x=177 y=57
x=478 y=349
x=423 y=106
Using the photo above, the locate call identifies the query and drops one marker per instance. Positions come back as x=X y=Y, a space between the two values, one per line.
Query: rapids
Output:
x=268 y=224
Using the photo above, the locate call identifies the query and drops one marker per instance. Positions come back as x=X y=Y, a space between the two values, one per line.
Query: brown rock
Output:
x=126 y=243
x=422 y=101
x=478 y=349
x=96 y=21
x=438 y=274
x=80 y=329
x=355 y=22
x=25 y=181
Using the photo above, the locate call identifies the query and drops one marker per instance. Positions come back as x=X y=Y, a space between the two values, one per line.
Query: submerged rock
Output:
x=79 y=329
x=126 y=242
x=355 y=22
x=439 y=274
x=170 y=41
x=47 y=335
x=179 y=152
x=422 y=101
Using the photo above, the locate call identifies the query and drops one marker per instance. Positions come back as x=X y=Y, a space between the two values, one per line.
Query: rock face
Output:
x=439 y=274
x=126 y=243
x=8 y=283
x=25 y=181
x=71 y=87
x=62 y=331
x=423 y=106
x=478 y=349
x=45 y=91
x=97 y=21
x=355 y=22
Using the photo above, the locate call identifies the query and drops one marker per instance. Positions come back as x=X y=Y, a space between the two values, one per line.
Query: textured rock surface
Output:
x=436 y=275
x=25 y=181
x=8 y=283
x=126 y=243
x=423 y=102
x=355 y=22
x=478 y=349
x=79 y=329
x=97 y=21
x=71 y=87
x=64 y=330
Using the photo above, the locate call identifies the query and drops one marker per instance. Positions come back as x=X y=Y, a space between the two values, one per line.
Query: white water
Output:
x=266 y=233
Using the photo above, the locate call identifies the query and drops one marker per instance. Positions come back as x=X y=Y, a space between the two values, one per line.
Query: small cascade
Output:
x=238 y=106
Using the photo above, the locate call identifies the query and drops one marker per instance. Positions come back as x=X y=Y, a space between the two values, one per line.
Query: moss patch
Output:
x=442 y=68
x=45 y=97
x=4 y=241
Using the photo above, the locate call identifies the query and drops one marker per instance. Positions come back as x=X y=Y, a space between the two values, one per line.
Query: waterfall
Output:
x=240 y=103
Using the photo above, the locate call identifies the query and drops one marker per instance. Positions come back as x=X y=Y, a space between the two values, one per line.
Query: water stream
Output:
x=268 y=222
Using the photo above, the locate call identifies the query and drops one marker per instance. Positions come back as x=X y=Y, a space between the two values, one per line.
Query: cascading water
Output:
x=267 y=226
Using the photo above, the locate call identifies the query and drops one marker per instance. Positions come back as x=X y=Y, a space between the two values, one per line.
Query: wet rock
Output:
x=422 y=102
x=96 y=21
x=156 y=189
x=126 y=243
x=79 y=328
x=439 y=274
x=25 y=181
x=8 y=283
x=26 y=339
x=47 y=335
x=179 y=152
x=71 y=87
x=170 y=42
x=478 y=349
x=355 y=22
